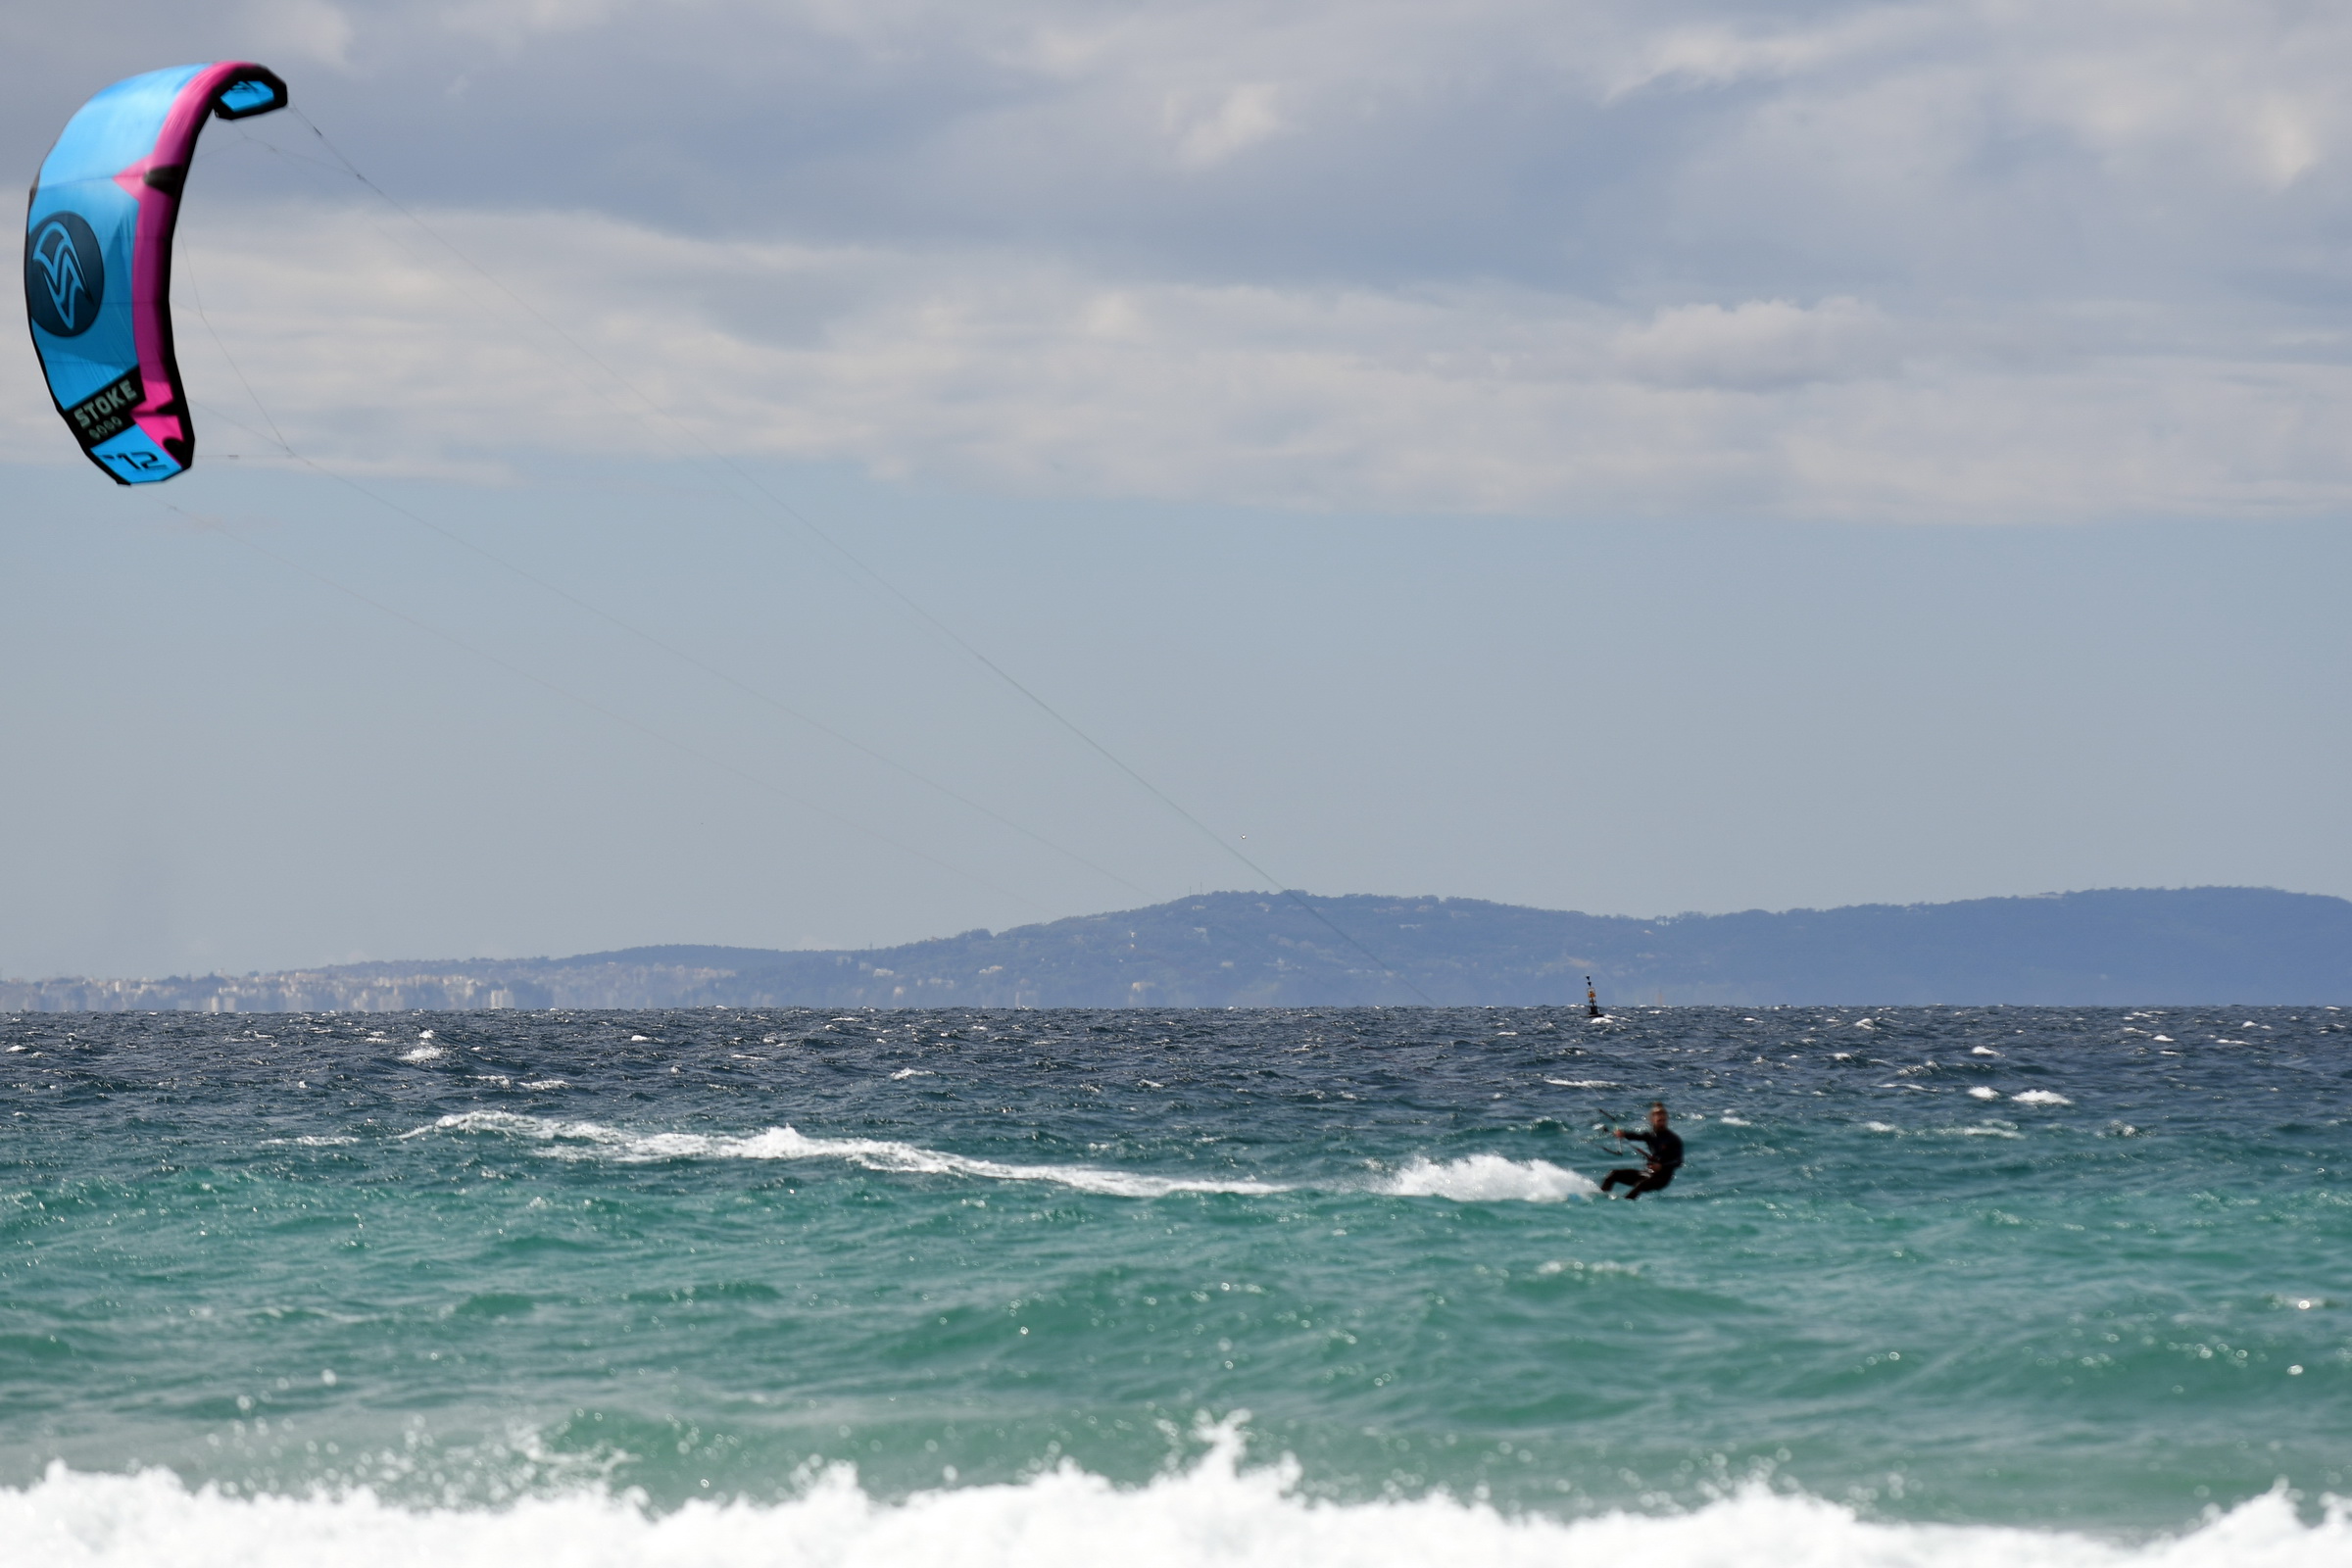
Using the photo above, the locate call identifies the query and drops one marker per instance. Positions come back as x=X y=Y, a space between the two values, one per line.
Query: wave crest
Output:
x=1217 y=1514
x=1472 y=1179
x=588 y=1139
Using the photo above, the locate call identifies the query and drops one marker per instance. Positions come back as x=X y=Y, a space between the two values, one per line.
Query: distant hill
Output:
x=2134 y=947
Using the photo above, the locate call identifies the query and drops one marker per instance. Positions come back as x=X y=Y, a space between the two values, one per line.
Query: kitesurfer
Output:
x=1665 y=1157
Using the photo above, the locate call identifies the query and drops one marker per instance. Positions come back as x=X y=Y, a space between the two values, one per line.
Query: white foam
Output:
x=579 y=1139
x=1570 y=1265
x=1490 y=1178
x=2042 y=1097
x=1476 y=1178
x=423 y=1054
x=1983 y=1093
x=1218 y=1514
x=1584 y=1082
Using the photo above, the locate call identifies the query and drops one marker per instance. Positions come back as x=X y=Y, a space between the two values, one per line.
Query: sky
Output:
x=804 y=474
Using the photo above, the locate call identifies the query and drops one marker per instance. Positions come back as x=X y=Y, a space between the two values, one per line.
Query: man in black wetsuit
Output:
x=1665 y=1157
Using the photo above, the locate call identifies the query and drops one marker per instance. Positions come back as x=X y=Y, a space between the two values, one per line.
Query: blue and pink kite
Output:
x=98 y=260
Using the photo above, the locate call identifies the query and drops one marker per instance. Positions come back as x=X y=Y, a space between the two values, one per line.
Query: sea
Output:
x=1938 y=1285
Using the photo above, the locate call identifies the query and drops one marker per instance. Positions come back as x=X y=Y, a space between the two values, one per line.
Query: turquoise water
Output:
x=2077 y=1273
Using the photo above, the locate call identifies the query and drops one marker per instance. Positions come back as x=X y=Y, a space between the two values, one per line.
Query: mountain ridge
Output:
x=2116 y=945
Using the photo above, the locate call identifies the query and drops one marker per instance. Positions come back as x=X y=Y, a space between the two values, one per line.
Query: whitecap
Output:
x=588 y=1139
x=905 y=1073
x=1219 y=1511
x=1474 y=1178
x=1572 y=1265
x=423 y=1053
x=2042 y=1097
x=1488 y=1178
x=1584 y=1082
x=1983 y=1093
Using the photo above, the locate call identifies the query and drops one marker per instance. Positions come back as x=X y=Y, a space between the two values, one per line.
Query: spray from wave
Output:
x=1491 y=1178
x=1217 y=1514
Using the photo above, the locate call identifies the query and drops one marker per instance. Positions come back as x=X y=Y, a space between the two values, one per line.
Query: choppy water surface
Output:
x=642 y=1279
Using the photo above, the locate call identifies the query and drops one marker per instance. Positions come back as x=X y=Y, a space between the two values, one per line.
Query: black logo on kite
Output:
x=64 y=276
x=108 y=413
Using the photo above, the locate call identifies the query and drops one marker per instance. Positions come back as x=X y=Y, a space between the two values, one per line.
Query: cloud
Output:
x=1759 y=344
x=1240 y=116
x=373 y=349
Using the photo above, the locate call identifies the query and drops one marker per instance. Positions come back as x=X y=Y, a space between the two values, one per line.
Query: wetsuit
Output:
x=1665 y=1158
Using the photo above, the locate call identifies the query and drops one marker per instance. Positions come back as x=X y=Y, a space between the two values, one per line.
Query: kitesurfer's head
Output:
x=1658 y=1113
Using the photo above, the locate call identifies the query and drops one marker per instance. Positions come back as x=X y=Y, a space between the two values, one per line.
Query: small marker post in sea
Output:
x=1591 y=999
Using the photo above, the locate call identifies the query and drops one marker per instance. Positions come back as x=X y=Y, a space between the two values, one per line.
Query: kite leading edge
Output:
x=98 y=260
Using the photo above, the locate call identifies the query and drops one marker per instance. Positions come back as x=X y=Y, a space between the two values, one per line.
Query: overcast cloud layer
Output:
x=1961 y=260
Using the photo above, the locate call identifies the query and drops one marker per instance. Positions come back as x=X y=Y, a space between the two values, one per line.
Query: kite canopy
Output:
x=98 y=260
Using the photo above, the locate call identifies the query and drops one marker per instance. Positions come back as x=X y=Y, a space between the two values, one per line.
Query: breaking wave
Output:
x=594 y=1140
x=1473 y=1179
x=1217 y=1514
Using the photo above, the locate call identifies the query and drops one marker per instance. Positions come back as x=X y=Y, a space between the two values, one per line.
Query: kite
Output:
x=98 y=260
